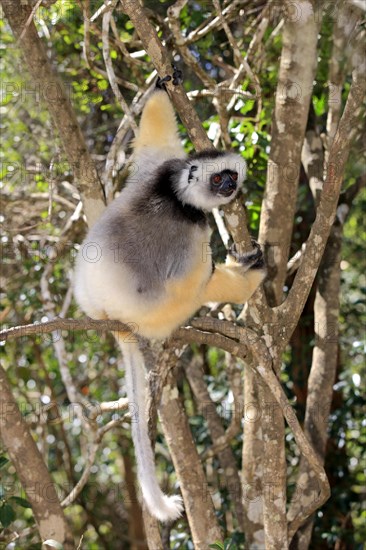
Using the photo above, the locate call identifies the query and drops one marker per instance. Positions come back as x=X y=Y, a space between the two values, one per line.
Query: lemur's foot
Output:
x=251 y=260
x=177 y=78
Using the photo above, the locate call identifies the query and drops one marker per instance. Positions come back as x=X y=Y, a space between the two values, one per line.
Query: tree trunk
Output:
x=32 y=471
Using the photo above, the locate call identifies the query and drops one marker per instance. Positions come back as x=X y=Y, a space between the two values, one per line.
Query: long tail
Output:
x=163 y=507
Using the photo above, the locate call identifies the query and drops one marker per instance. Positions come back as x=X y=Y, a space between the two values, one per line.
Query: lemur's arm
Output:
x=236 y=280
x=229 y=284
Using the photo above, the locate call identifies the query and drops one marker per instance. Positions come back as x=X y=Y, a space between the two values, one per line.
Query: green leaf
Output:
x=102 y=84
x=319 y=105
x=3 y=461
x=21 y=502
x=7 y=515
x=217 y=546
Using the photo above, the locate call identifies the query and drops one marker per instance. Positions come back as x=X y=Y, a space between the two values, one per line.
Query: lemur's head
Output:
x=210 y=178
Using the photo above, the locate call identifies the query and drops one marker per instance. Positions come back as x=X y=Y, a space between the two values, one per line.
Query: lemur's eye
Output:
x=217 y=179
x=234 y=176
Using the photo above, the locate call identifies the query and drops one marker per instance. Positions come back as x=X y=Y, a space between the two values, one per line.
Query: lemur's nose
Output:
x=228 y=185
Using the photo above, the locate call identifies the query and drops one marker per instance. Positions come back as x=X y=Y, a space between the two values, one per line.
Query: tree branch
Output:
x=225 y=455
x=291 y=309
x=249 y=342
x=197 y=500
x=54 y=94
x=58 y=324
x=236 y=340
x=31 y=470
x=324 y=360
x=293 y=94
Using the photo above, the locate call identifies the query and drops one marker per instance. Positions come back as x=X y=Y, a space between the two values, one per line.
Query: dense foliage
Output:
x=39 y=196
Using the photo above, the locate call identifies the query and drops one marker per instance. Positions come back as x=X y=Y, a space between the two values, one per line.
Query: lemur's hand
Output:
x=177 y=78
x=250 y=260
x=160 y=83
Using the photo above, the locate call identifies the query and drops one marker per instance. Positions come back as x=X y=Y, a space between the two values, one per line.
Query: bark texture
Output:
x=196 y=493
x=227 y=460
x=295 y=84
x=291 y=309
x=323 y=371
x=32 y=470
x=252 y=473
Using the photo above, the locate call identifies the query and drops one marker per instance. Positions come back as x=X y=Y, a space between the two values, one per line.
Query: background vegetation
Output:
x=43 y=225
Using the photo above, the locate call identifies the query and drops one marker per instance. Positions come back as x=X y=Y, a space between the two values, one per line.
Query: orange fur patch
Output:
x=229 y=284
x=183 y=298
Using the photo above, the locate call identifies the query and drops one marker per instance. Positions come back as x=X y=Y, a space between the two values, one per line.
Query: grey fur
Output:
x=154 y=246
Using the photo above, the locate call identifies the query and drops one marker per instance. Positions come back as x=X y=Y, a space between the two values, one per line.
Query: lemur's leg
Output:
x=158 y=127
x=236 y=280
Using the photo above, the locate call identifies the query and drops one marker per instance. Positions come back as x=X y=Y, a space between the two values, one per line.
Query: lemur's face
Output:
x=224 y=183
x=207 y=182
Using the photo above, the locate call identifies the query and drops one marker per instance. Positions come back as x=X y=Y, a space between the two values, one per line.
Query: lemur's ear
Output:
x=192 y=169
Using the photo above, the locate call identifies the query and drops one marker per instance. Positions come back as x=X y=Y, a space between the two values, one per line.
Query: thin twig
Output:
x=229 y=12
x=84 y=477
x=28 y=22
x=100 y=11
x=93 y=448
x=190 y=60
x=109 y=66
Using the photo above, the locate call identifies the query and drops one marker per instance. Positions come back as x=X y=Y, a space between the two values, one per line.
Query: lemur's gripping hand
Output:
x=250 y=260
x=237 y=279
x=177 y=79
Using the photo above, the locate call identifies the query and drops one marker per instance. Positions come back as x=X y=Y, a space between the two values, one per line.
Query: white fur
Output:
x=163 y=507
x=197 y=192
